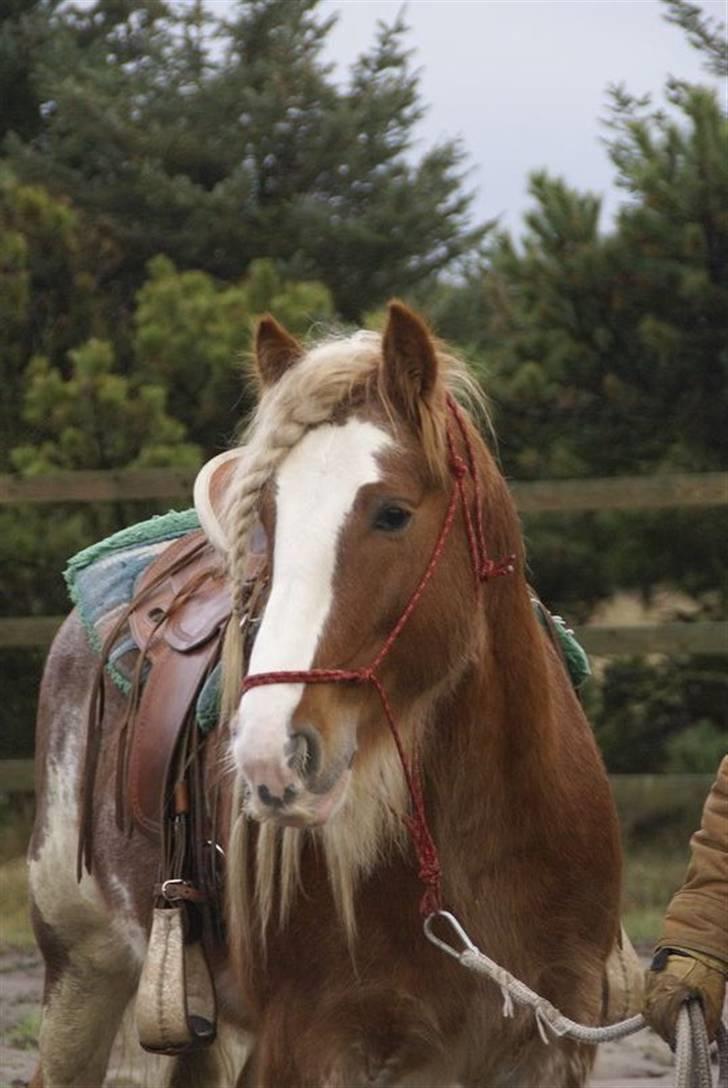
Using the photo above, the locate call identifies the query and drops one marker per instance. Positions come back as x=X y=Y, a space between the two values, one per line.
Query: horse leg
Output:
x=92 y=947
x=87 y=988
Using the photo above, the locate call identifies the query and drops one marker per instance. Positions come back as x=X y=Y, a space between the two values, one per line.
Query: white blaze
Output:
x=317 y=485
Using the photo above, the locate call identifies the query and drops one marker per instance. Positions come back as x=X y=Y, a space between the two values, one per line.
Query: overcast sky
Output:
x=524 y=81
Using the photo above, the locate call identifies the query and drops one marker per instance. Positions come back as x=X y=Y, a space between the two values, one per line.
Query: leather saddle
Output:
x=177 y=617
x=180 y=608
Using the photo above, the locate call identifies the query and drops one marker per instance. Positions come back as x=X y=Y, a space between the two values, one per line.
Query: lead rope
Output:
x=692 y=1058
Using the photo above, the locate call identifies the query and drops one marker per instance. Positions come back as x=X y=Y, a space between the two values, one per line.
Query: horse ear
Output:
x=275 y=350
x=409 y=369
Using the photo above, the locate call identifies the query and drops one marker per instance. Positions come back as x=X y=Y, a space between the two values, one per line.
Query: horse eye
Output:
x=391 y=518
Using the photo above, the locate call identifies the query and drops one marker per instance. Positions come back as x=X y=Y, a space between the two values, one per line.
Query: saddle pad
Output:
x=101 y=581
x=577 y=661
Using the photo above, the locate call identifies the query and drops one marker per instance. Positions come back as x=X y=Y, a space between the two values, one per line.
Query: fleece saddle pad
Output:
x=102 y=578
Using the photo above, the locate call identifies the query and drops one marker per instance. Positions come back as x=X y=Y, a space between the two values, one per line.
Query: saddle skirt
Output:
x=179 y=610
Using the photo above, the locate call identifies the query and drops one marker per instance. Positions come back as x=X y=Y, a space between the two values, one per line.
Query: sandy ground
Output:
x=642 y=1061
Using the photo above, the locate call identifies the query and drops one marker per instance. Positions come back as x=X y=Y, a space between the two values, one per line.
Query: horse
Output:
x=404 y=722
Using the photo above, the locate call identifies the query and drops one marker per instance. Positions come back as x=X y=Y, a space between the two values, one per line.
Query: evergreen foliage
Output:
x=218 y=158
x=96 y=418
x=706 y=34
x=192 y=332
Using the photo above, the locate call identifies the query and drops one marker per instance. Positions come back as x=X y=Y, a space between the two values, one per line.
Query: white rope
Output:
x=692 y=1051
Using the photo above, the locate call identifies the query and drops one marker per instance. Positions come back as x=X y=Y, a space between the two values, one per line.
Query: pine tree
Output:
x=606 y=352
x=254 y=151
x=24 y=35
x=706 y=34
x=191 y=334
x=51 y=265
x=95 y=418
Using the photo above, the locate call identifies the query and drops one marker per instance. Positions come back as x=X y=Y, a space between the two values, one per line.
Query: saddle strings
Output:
x=484 y=568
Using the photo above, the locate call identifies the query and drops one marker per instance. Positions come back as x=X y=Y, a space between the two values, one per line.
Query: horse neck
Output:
x=506 y=705
x=494 y=752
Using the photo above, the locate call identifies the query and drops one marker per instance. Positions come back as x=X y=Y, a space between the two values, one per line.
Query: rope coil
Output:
x=692 y=1052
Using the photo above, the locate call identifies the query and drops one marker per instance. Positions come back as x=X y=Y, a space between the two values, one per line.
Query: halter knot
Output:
x=458 y=467
x=429 y=872
x=495 y=568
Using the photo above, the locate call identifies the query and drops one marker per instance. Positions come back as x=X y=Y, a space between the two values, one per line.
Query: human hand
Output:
x=676 y=975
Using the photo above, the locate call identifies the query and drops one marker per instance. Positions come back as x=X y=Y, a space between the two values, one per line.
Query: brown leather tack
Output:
x=174 y=890
x=168 y=695
x=183 y=604
x=188 y=563
x=200 y=618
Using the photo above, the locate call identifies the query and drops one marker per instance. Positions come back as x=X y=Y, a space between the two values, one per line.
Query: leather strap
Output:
x=186 y=564
x=200 y=618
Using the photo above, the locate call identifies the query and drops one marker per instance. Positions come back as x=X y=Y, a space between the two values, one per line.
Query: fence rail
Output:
x=663 y=638
x=16 y=776
x=606 y=641
x=633 y=791
x=612 y=493
x=536 y=496
x=91 y=486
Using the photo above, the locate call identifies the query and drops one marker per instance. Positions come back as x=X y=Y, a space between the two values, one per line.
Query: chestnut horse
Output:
x=387 y=644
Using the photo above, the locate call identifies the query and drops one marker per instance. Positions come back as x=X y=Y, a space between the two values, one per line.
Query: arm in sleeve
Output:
x=697 y=918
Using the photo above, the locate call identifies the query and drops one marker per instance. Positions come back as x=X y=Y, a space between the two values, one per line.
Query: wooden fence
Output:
x=598 y=640
x=635 y=794
x=536 y=496
x=564 y=496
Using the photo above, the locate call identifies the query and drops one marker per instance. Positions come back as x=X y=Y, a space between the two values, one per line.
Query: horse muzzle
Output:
x=288 y=781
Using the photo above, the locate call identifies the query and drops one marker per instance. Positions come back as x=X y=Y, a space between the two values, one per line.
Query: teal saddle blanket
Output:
x=101 y=581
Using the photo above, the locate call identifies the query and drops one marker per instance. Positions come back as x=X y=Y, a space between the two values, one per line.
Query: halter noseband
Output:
x=484 y=568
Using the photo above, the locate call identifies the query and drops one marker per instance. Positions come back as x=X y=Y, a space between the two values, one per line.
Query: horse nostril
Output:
x=304 y=752
x=289 y=794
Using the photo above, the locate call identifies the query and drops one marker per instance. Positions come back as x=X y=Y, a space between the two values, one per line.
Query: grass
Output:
x=658 y=814
x=15 y=929
x=16 y=821
x=650 y=878
x=24 y=1035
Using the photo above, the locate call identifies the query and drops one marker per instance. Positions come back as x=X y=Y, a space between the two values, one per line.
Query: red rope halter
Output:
x=429 y=871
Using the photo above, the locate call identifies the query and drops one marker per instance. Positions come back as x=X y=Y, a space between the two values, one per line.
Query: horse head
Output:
x=356 y=457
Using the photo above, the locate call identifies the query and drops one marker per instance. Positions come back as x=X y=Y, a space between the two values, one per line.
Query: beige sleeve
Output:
x=697 y=917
